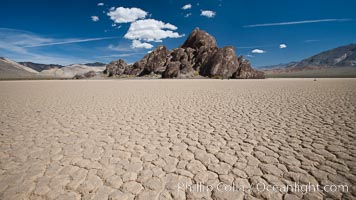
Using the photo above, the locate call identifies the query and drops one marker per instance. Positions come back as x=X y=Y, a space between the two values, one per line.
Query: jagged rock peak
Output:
x=199 y=38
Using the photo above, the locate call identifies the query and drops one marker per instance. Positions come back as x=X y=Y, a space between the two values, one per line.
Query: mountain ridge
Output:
x=10 y=69
x=335 y=62
x=39 y=66
x=342 y=56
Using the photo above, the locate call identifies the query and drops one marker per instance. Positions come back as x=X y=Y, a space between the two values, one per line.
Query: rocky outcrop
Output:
x=172 y=71
x=245 y=71
x=183 y=61
x=116 y=68
x=199 y=55
x=199 y=38
x=137 y=67
x=154 y=62
x=222 y=63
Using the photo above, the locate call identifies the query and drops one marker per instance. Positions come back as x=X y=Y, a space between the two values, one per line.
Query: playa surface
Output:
x=155 y=139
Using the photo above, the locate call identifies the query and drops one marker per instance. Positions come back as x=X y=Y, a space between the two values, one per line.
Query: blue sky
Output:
x=266 y=32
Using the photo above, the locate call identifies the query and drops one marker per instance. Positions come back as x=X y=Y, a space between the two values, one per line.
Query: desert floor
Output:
x=155 y=139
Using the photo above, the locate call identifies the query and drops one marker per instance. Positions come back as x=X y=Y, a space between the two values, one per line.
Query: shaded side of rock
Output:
x=155 y=62
x=201 y=57
x=137 y=68
x=182 y=60
x=172 y=70
x=186 y=70
x=245 y=71
x=223 y=63
x=115 y=68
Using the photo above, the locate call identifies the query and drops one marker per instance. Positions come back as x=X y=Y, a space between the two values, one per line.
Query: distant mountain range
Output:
x=39 y=67
x=337 y=62
x=344 y=56
x=95 y=64
x=278 y=66
x=10 y=69
x=70 y=71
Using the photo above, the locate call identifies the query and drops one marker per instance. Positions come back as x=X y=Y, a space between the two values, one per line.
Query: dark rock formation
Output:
x=155 y=62
x=245 y=71
x=199 y=38
x=138 y=67
x=222 y=63
x=185 y=60
x=115 y=68
x=172 y=71
x=201 y=46
x=199 y=55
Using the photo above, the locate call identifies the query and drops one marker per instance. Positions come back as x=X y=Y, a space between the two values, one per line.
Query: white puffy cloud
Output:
x=137 y=44
x=125 y=15
x=151 y=30
x=258 y=51
x=94 y=18
x=100 y=4
x=282 y=46
x=188 y=6
x=208 y=13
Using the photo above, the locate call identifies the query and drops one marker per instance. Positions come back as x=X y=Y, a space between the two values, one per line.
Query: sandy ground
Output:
x=155 y=139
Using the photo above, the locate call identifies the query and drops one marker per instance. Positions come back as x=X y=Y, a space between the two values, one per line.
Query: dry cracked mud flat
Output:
x=160 y=139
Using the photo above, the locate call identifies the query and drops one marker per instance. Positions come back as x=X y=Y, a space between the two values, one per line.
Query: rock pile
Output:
x=199 y=55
